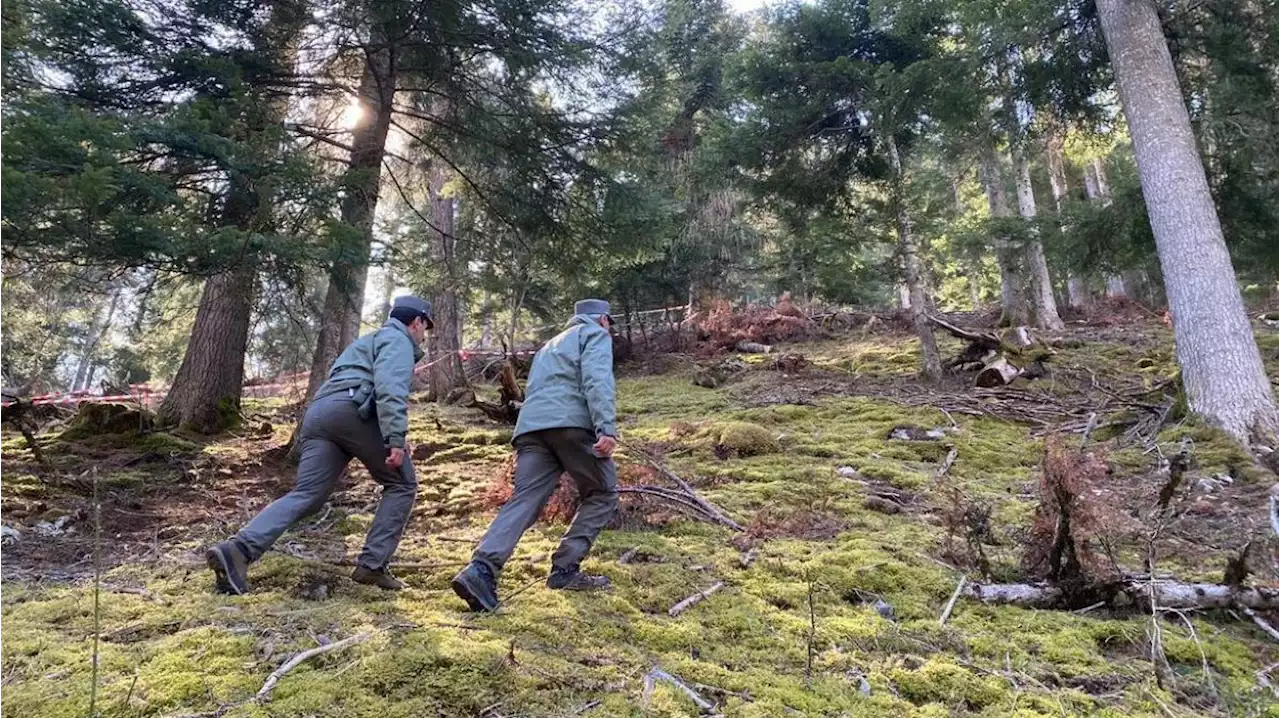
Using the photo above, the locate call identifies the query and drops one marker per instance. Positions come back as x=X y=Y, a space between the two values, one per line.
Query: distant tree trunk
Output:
x=447 y=372
x=1077 y=289
x=971 y=267
x=908 y=248
x=1044 y=306
x=84 y=370
x=1222 y=369
x=1015 y=310
x=1098 y=190
x=344 y=299
x=486 y=322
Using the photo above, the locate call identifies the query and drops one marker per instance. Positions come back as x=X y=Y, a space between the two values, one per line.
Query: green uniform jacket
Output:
x=571 y=382
x=377 y=369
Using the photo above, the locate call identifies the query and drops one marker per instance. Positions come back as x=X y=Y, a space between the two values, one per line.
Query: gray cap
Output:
x=592 y=306
x=416 y=304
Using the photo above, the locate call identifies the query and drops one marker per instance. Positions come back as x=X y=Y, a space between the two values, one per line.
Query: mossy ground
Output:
x=169 y=646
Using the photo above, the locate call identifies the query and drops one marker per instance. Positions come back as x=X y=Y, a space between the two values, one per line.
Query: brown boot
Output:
x=381 y=578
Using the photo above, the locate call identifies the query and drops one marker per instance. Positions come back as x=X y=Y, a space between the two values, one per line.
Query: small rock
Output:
x=57 y=527
x=883 y=505
x=884 y=609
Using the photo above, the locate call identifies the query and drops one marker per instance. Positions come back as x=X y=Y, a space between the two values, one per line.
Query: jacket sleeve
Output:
x=392 y=373
x=597 y=380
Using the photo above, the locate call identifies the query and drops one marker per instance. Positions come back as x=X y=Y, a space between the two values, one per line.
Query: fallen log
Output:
x=1135 y=591
x=753 y=347
x=997 y=372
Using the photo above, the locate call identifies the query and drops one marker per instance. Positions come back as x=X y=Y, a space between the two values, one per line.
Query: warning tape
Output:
x=143 y=393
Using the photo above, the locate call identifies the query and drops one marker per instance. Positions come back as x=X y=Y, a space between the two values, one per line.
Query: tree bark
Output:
x=344 y=299
x=1221 y=367
x=1015 y=310
x=1043 y=305
x=1077 y=289
x=908 y=247
x=205 y=396
x=447 y=372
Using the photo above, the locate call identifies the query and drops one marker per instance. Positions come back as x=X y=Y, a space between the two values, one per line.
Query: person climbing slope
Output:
x=567 y=424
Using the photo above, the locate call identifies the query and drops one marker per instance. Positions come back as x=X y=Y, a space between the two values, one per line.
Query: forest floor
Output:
x=841 y=518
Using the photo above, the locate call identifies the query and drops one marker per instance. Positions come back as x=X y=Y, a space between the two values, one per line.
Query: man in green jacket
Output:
x=567 y=424
x=361 y=412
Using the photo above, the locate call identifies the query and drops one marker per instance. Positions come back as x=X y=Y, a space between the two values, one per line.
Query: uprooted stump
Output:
x=712 y=376
x=999 y=359
x=100 y=419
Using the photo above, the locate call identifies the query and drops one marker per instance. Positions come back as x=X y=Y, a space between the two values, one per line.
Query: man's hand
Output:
x=395 y=457
x=604 y=446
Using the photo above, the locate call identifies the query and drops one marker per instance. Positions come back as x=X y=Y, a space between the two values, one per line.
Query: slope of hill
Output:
x=855 y=538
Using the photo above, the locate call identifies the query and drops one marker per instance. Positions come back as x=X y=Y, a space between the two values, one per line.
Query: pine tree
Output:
x=1221 y=368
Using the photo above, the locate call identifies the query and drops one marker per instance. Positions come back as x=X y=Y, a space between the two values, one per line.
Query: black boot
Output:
x=230 y=568
x=475 y=585
x=381 y=578
x=571 y=579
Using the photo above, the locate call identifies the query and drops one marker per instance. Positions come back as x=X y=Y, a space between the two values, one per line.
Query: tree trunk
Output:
x=447 y=372
x=1043 y=305
x=1221 y=367
x=1015 y=310
x=84 y=371
x=1097 y=189
x=344 y=299
x=908 y=247
x=205 y=396
x=1077 y=290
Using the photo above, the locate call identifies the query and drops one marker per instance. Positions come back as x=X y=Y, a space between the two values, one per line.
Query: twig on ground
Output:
x=1087 y=609
x=297 y=660
x=808 y=665
x=1259 y=620
x=946 y=612
x=1088 y=429
x=946 y=465
x=97 y=591
x=520 y=590
x=710 y=509
x=696 y=598
x=1263 y=679
x=661 y=675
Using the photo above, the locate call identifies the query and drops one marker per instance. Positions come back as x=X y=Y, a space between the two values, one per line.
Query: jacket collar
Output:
x=580 y=319
x=399 y=326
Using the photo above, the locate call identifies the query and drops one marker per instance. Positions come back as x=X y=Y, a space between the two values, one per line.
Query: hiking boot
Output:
x=475 y=585
x=381 y=578
x=575 y=580
x=230 y=568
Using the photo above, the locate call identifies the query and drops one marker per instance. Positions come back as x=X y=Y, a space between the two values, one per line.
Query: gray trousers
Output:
x=541 y=456
x=332 y=434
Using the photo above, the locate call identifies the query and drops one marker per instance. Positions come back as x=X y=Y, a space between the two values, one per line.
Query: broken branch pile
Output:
x=999 y=360
x=684 y=498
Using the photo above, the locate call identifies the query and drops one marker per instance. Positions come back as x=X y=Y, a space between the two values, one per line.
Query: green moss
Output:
x=741 y=437
x=942 y=681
